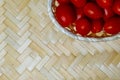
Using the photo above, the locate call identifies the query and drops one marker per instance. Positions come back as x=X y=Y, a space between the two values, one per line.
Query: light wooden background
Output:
x=32 y=48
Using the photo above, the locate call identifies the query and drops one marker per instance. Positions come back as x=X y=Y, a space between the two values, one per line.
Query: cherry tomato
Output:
x=93 y=11
x=65 y=14
x=89 y=16
x=116 y=7
x=80 y=13
x=91 y=0
x=63 y=1
x=105 y=3
x=112 y=26
x=83 y=26
x=97 y=26
x=78 y=3
x=108 y=12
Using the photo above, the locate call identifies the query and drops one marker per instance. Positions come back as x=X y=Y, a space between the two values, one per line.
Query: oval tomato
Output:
x=108 y=12
x=116 y=7
x=91 y=0
x=93 y=11
x=80 y=13
x=65 y=14
x=83 y=26
x=105 y=3
x=97 y=26
x=63 y=1
x=112 y=26
x=79 y=3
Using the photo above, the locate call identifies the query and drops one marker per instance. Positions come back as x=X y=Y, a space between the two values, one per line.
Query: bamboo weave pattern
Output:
x=32 y=48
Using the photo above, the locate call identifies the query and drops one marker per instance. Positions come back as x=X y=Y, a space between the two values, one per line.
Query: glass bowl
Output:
x=93 y=39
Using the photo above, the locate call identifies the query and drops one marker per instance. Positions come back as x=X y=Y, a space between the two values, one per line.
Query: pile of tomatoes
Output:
x=86 y=17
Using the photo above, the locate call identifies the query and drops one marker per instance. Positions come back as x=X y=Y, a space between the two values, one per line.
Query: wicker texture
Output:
x=32 y=48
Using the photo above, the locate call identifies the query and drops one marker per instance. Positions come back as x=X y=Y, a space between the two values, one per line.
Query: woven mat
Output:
x=32 y=48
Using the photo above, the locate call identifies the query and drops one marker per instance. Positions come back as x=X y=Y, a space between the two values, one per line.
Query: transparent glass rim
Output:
x=91 y=39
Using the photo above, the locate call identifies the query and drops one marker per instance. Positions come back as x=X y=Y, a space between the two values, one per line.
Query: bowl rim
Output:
x=81 y=38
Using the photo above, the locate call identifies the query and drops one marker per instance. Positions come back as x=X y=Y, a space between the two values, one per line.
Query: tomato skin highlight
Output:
x=65 y=14
x=79 y=3
x=83 y=26
x=97 y=26
x=116 y=7
x=104 y=3
x=112 y=26
x=93 y=11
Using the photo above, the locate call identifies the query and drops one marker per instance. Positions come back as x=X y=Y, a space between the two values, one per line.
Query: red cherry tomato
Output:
x=63 y=1
x=104 y=3
x=108 y=12
x=116 y=7
x=65 y=14
x=104 y=15
x=112 y=26
x=91 y=0
x=80 y=13
x=83 y=26
x=93 y=11
x=97 y=26
x=78 y=3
